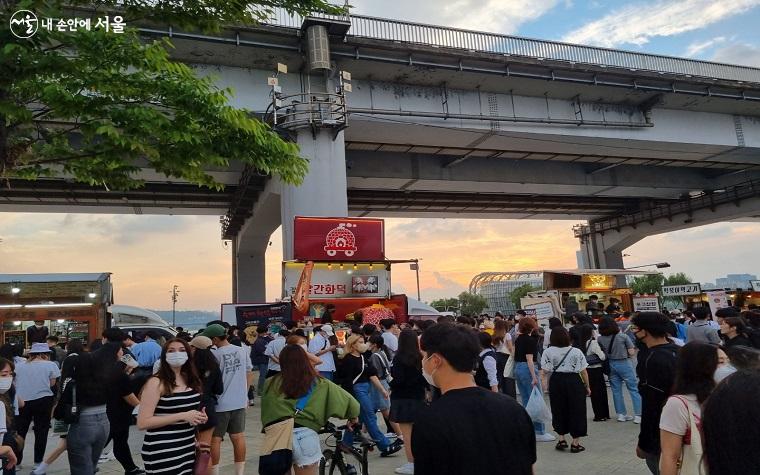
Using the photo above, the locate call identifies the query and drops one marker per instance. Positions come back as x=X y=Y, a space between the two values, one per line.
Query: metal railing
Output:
x=456 y=38
x=732 y=195
x=297 y=111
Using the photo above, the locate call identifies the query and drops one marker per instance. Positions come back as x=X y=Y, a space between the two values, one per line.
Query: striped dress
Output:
x=170 y=450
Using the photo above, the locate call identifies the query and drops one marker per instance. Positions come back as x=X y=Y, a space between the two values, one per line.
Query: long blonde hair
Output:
x=351 y=343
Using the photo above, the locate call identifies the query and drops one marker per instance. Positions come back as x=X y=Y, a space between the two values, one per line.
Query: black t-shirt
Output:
x=657 y=370
x=738 y=340
x=351 y=366
x=475 y=431
x=118 y=410
x=525 y=345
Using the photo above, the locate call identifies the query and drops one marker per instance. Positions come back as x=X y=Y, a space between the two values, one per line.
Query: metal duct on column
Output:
x=318 y=48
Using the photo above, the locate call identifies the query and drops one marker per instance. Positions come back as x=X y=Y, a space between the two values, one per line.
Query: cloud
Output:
x=636 y=23
x=738 y=53
x=699 y=47
x=485 y=15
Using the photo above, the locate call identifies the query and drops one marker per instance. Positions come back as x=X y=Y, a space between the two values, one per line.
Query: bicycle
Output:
x=333 y=461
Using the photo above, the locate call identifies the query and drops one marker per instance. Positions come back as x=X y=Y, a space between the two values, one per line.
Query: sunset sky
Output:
x=149 y=254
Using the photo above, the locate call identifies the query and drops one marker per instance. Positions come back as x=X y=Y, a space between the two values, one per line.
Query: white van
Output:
x=136 y=321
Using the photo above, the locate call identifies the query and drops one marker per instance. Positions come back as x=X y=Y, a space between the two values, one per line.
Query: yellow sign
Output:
x=598 y=282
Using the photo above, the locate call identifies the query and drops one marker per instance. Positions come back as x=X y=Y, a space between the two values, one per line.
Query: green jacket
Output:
x=326 y=401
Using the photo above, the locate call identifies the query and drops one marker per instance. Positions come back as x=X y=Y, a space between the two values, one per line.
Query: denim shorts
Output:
x=306 y=447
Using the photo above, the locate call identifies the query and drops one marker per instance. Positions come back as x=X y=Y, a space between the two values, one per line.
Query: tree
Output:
x=443 y=305
x=93 y=105
x=647 y=284
x=471 y=304
x=519 y=292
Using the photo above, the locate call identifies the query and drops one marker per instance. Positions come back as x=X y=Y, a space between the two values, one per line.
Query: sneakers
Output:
x=545 y=437
x=106 y=457
x=624 y=418
x=406 y=469
x=637 y=420
x=392 y=449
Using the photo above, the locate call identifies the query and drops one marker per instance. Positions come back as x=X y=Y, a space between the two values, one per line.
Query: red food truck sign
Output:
x=338 y=239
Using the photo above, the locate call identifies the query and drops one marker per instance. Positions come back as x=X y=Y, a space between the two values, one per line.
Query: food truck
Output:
x=568 y=291
x=66 y=305
x=340 y=268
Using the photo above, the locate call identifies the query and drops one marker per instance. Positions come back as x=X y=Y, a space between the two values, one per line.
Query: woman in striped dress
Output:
x=169 y=412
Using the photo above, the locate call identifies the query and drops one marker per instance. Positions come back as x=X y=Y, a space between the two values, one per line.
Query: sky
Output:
x=149 y=254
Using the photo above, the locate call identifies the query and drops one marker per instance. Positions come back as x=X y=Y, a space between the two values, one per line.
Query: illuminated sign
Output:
x=598 y=282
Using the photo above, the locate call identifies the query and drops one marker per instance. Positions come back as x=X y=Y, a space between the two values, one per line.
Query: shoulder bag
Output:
x=67 y=409
x=691 y=461
x=606 y=363
x=593 y=358
x=277 y=449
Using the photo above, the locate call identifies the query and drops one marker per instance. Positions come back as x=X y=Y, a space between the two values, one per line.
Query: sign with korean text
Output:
x=717 y=300
x=338 y=239
x=253 y=315
x=646 y=303
x=681 y=290
x=339 y=281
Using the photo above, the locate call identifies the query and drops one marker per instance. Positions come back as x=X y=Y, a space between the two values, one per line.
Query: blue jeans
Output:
x=525 y=385
x=328 y=375
x=85 y=443
x=262 y=369
x=367 y=417
x=622 y=371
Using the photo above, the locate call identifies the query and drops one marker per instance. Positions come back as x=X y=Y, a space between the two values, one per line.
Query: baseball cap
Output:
x=328 y=329
x=214 y=330
x=201 y=342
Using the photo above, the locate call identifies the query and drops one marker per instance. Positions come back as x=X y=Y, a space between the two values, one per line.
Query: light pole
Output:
x=175 y=294
x=415 y=266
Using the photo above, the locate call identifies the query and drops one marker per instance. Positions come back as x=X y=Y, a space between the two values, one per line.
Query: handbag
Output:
x=606 y=369
x=67 y=409
x=509 y=368
x=593 y=358
x=277 y=449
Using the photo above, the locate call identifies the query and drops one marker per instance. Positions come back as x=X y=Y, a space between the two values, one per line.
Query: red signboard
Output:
x=338 y=239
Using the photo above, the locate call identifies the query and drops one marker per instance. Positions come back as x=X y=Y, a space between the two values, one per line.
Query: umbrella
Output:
x=374 y=313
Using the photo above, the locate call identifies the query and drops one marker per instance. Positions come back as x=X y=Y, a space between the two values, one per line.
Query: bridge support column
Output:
x=323 y=191
x=249 y=248
x=605 y=251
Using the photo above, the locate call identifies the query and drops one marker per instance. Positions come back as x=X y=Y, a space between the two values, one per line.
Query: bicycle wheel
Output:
x=329 y=465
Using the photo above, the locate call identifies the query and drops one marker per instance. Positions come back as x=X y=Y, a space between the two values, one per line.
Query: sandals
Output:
x=561 y=445
x=577 y=448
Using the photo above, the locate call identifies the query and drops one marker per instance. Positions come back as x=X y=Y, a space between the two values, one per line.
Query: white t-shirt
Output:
x=503 y=348
x=274 y=348
x=33 y=379
x=574 y=363
x=234 y=364
x=3 y=422
x=675 y=415
x=317 y=344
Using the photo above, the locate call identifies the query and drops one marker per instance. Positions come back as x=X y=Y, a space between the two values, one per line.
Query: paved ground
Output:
x=609 y=451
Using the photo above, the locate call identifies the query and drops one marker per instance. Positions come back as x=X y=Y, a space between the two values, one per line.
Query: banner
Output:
x=269 y=314
x=338 y=239
x=717 y=300
x=681 y=290
x=301 y=295
x=646 y=303
x=338 y=282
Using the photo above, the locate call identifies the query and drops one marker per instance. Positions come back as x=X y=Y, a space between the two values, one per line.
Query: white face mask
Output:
x=176 y=359
x=428 y=376
x=362 y=347
x=5 y=384
x=723 y=371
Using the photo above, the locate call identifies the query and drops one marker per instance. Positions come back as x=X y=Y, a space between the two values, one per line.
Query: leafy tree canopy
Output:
x=519 y=292
x=444 y=305
x=471 y=304
x=97 y=105
x=651 y=284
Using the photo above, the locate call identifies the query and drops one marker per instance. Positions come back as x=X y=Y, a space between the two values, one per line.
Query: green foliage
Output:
x=445 y=305
x=471 y=304
x=98 y=106
x=651 y=284
x=519 y=292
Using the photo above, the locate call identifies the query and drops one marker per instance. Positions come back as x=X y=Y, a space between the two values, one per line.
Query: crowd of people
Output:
x=427 y=388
